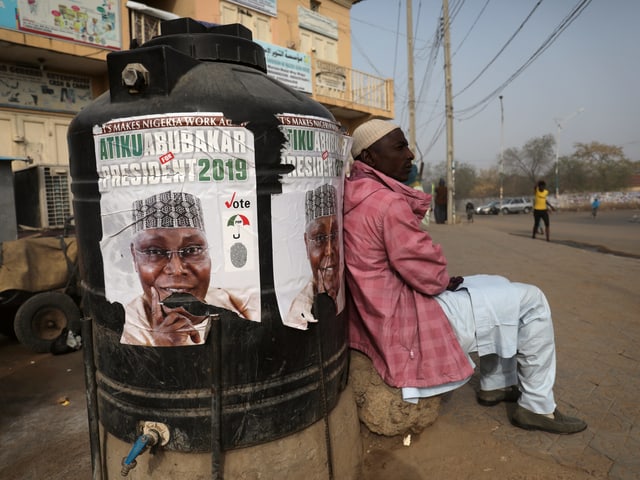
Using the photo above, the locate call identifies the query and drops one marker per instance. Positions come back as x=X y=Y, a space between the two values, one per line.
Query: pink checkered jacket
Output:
x=393 y=270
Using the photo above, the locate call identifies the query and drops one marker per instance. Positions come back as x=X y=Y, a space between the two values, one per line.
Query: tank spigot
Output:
x=144 y=441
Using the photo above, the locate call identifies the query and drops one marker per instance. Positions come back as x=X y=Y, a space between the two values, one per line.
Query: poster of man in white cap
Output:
x=307 y=219
x=179 y=220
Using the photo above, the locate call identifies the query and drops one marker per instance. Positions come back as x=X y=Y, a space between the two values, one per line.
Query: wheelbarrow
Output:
x=39 y=289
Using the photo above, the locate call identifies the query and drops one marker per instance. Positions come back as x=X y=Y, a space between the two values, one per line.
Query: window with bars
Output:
x=145 y=26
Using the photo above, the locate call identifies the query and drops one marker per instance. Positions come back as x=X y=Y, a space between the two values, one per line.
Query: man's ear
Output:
x=366 y=157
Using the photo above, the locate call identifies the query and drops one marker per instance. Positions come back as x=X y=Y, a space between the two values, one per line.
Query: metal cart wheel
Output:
x=42 y=318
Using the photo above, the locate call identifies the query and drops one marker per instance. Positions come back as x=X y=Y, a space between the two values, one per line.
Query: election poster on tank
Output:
x=307 y=218
x=179 y=220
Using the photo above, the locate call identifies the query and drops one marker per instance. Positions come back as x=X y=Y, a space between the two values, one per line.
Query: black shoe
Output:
x=560 y=423
x=489 y=398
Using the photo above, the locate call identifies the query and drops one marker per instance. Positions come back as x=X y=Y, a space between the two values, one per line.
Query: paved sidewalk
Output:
x=595 y=301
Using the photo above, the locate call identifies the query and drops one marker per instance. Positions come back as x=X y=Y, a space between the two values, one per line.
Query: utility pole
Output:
x=412 y=100
x=501 y=150
x=451 y=214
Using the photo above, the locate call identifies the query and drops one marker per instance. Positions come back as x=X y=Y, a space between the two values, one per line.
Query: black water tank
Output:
x=167 y=126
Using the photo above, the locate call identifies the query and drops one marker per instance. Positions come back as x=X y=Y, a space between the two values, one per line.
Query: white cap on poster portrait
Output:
x=369 y=133
x=168 y=210
x=320 y=202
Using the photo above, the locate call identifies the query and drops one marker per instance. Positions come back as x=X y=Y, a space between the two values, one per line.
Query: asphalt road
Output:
x=615 y=231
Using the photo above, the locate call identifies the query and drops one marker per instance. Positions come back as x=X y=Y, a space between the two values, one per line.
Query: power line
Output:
x=355 y=43
x=486 y=67
x=471 y=28
x=573 y=14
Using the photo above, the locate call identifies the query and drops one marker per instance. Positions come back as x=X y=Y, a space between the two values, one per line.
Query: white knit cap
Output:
x=369 y=133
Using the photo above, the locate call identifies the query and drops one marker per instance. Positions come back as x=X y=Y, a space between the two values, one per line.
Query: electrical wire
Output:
x=471 y=28
x=428 y=75
x=482 y=104
x=486 y=67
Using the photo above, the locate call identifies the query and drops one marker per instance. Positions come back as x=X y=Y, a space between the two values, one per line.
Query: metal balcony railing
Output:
x=352 y=89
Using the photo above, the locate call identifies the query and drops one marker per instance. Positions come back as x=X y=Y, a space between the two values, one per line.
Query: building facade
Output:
x=53 y=63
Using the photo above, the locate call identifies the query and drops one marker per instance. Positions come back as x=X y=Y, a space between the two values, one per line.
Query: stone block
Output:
x=381 y=407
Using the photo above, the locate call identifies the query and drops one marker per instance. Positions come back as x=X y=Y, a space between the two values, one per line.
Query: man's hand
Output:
x=173 y=326
x=454 y=283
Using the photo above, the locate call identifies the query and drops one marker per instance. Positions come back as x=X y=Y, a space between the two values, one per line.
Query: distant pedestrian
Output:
x=470 y=211
x=441 y=202
x=594 y=207
x=540 y=206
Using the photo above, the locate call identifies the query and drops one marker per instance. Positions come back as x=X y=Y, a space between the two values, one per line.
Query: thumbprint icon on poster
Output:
x=238 y=255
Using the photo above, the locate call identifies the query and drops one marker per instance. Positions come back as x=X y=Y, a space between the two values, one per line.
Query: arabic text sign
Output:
x=291 y=67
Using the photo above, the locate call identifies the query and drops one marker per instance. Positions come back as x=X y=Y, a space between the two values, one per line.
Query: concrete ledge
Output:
x=381 y=408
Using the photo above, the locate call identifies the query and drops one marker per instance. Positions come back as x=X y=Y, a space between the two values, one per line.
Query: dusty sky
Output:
x=586 y=79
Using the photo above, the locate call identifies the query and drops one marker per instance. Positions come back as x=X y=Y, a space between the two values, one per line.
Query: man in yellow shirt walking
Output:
x=540 y=211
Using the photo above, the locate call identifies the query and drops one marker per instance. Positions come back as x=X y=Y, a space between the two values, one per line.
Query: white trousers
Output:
x=533 y=367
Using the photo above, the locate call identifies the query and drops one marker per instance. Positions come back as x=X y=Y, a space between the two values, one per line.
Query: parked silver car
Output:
x=516 y=205
x=491 y=208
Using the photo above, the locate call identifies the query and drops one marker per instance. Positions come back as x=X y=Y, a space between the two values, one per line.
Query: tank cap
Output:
x=189 y=25
x=230 y=43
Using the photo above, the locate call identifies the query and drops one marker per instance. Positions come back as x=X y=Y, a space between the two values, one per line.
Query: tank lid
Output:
x=232 y=43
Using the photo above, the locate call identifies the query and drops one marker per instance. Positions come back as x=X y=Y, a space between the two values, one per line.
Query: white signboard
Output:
x=291 y=67
x=94 y=22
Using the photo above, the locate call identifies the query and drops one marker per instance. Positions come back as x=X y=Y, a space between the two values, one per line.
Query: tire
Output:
x=42 y=318
x=505 y=211
x=527 y=210
x=7 y=314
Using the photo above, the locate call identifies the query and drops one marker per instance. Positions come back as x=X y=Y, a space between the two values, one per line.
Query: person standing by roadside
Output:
x=441 y=202
x=540 y=208
x=594 y=207
x=469 y=207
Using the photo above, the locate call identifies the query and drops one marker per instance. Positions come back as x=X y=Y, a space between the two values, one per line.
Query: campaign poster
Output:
x=307 y=218
x=179 y=218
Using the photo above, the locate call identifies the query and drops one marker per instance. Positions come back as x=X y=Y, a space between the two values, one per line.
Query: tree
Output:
x=464 y=177
x=487 y=184
x=536 y=155
x=465 y=180
x=608 y=168
x=573 y=174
